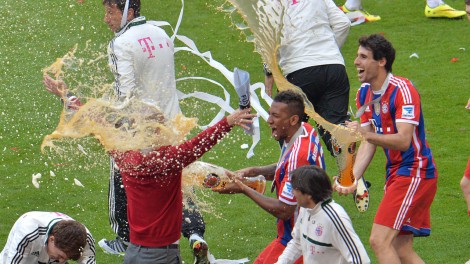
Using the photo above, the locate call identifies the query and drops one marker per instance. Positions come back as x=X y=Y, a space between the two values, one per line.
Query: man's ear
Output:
x=50 y=239
x=382 y=62
x=130 y=14
x=294 y=120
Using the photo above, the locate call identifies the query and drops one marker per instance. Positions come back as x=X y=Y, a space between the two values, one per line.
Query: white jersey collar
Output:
x=134 y=22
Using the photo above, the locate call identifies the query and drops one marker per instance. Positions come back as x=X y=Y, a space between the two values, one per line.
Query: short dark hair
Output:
x=380 y=47
x=312 y=180
x=70 y=237
x=467 y=2
x=293 y=100
x=134 y=4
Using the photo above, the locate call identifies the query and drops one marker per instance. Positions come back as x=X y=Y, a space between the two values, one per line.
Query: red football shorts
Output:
x=467 y=170
x=272 y=252
x=406 y=205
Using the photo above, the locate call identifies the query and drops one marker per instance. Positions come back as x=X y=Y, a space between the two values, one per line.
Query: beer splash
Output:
x=121 y=126
x=264 y=19
x=118 y=125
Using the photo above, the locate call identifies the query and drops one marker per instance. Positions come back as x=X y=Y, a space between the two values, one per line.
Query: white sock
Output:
x=196 y=237
x=353 y=4
x=434 y=3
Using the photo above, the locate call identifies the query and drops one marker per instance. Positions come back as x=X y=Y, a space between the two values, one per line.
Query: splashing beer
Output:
x=208 y=175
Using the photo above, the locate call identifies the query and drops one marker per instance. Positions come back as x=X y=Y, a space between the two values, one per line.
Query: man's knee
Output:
x=381 y=238
x=376 y=243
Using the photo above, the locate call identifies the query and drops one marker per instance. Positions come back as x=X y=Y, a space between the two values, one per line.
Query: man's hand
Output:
x=468 y=105
x=341 y=189
x=57 y=87
x=268 y=84
x=241 y=117
x=234 y=186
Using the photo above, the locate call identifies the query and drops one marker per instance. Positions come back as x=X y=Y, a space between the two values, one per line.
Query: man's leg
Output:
x=147 y=255
x=117 y=205
x=356 y=5
x=193 y=229
x=381 y=240
x=403 y=244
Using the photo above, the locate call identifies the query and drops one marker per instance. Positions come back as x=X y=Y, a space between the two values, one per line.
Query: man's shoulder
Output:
x=401 y=82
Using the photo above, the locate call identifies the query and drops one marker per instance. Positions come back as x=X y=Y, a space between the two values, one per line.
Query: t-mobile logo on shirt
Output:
x=147 y=46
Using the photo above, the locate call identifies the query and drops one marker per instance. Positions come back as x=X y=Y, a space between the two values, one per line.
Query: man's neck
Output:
x=291 y=134
x=379 y=82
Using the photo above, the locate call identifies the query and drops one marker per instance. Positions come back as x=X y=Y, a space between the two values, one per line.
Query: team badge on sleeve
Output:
x=408 y=111
x=287 y=191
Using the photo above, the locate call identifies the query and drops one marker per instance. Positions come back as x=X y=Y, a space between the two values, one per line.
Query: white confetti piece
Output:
x=82 y=149
x=52 y=173
x=35 y=178
x=414 y=55
x=77 y=182
x=244 y=146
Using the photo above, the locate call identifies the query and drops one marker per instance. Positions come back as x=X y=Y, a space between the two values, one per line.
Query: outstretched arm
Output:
x=267 y=171
x=271 y=205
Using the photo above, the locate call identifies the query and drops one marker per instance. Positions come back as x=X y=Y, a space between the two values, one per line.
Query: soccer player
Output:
x=301 y=146
x=48 y=237
x=323 y=232
x=434 y=8
x=392 y=118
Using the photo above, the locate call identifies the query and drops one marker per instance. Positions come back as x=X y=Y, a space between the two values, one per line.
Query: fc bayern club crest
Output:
x=319 y=230
x=385 y=107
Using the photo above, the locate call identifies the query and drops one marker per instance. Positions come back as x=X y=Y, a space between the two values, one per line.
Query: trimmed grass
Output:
x=35 y=35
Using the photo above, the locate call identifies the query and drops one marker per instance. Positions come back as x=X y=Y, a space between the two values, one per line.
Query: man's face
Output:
x=55 y=253
x=367 y=67
x=112 y=17
x=303 y=200
x=279 y=121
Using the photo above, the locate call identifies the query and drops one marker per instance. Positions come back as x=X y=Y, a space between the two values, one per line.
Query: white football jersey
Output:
x=26 y=242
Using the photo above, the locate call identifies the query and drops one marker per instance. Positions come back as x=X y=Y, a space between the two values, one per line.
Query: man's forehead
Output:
x=278 y=106
x=111 y=6
x=364 y=50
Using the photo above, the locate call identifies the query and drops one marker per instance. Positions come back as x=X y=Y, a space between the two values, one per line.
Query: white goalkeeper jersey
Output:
x=26 y=242
x=324 y=234
x=142 y=61
x=313 y=32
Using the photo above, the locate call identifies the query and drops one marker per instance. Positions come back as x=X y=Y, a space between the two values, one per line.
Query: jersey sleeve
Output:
x=286 y=195
x=88 y=256
x=339 y=22
x=19 y=243
x=121 y=65
x=345 y=239
x=407 y=105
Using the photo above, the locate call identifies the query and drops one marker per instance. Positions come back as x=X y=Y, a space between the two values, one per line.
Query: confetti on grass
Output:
x=77 y=182
x=36 y=177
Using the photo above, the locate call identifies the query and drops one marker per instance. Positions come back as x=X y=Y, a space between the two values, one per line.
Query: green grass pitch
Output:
x=35 y=33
